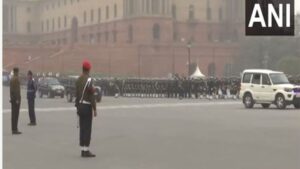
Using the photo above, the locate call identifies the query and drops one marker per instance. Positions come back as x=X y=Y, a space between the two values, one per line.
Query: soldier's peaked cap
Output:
x=86 y=65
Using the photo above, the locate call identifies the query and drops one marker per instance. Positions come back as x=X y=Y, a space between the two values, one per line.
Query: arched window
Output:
x=156 y=31
x=42 y=26
x=228 y=70
x=107 y=12
x=208 y=11
x=209 y=36
x=92 y=15
x=148 y=6
x=99 y=37
x=28 y=27
x=220 y=14
x=58 y=23
x=115 y=36
x=74 y=28
x=65 y=21
x=211 y=70
x=174 y=11
x=131 y=7
x=99 y=15
x=53 y=24
x=106 y=37
x=163 y=3
x=47 y=25
x=84 y=17
x=130 y=34
x=191 y=12
x=115 y=10
x=155 y=6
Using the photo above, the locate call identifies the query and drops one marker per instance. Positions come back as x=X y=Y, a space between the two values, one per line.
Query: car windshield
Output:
x=279 y=78
x=53 y=82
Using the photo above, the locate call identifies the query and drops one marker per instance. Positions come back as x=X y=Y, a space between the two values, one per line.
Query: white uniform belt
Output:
x=85 y=102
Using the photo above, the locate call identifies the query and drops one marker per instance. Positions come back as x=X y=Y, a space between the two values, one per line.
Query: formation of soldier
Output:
x=170 y=88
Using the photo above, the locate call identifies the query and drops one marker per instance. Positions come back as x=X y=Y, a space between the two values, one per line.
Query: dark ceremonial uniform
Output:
x=31 y=91
x=85 y=102
x=15 y=100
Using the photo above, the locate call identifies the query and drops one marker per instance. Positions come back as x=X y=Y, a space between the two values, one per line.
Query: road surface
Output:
x=133 y=133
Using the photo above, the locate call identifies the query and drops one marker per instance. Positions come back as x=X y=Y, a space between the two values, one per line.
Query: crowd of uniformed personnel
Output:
x=171 y=88
x=176 y=87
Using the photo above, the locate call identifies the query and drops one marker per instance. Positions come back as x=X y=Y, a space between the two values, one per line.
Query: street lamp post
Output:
x=139 y=62
x=189 y=46
x=173 y=60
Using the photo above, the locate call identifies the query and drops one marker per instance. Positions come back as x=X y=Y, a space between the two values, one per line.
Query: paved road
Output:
x=156 y=134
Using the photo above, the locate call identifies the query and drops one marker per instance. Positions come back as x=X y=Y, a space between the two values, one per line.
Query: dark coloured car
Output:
x=50 y=87
x=5 y=78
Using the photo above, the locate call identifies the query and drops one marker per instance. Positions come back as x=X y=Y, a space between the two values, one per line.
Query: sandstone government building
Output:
x=146 y=38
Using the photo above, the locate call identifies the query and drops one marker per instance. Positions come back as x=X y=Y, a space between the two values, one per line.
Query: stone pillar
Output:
x=15 y=19
x=5 y=18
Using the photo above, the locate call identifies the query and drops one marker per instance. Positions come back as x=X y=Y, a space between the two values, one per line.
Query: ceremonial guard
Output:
x=15 y=100
x=86 y=108
x=31 y=90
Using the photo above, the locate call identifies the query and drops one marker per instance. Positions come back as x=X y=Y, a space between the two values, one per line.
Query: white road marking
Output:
x=138 y=106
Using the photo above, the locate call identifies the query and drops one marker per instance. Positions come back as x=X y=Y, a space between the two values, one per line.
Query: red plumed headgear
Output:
x=86 y=65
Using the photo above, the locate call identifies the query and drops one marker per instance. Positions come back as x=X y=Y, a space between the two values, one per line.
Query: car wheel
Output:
x=248 y=101
x=297 y=105
x=265 y=106
x=280 y=102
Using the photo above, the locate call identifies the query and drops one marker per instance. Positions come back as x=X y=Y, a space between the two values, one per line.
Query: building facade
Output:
x=151 y=37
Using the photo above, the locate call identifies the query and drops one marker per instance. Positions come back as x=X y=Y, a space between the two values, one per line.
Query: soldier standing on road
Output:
x=31 y=90
x=15 y=100
x=86 y=108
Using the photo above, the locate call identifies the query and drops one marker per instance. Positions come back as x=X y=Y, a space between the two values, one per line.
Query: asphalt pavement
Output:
x=135 y=133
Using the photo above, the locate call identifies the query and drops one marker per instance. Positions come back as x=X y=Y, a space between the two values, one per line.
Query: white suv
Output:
x=268 y=87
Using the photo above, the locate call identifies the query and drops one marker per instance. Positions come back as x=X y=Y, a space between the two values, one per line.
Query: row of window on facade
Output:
x=156 y=35
x=232 y=36
x=59 y=3
x=91 y=13
x=94 y=38
x=191 y=13
x=156 y=7
x=45 y=25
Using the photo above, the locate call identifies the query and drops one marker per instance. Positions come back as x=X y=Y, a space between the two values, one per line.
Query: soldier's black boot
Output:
x=87 y=154
x=16 y=132
x=31 y=124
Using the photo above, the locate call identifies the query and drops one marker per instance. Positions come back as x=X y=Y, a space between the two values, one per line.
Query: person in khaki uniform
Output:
x=15 y=100
x=86 y=108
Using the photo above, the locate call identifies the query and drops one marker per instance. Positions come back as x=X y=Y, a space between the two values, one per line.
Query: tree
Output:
x=266 y=52
x=289 y=65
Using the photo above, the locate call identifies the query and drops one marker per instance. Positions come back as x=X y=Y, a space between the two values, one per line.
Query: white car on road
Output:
x=266 y=87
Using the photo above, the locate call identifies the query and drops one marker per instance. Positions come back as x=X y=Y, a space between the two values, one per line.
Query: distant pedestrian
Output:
x=15 y=100
x=31 y=92
x=86 y=108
